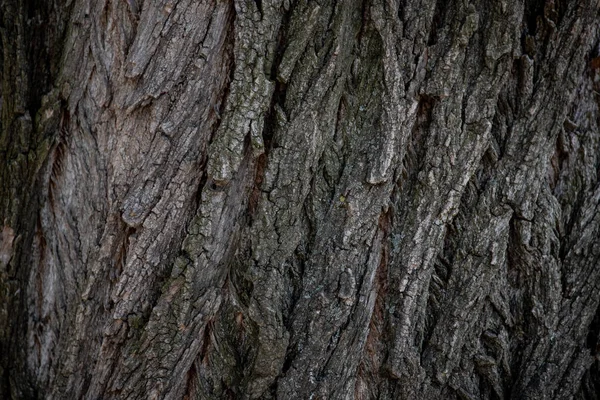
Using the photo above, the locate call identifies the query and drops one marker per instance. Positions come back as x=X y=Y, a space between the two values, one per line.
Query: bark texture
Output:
x=279 y=199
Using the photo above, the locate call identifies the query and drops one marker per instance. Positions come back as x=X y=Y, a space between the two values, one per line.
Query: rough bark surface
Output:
x=278 y=199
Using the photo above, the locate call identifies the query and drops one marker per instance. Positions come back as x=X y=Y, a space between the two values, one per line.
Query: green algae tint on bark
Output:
x=278 y=199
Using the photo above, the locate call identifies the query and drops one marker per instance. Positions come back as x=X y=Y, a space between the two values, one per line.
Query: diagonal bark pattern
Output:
x=300 y=199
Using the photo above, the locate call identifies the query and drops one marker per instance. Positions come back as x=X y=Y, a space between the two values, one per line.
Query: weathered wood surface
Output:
x=300 y=200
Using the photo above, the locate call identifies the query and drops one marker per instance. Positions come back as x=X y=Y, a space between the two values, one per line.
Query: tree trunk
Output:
x=279 y=199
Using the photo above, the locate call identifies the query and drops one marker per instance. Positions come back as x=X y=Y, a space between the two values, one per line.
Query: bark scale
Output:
x=293 y=199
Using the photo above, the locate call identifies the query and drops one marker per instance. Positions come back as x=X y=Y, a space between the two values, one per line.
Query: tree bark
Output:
x=279 y=199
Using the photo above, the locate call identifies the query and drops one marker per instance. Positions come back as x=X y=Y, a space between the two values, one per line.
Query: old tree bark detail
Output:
x=281 y=199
